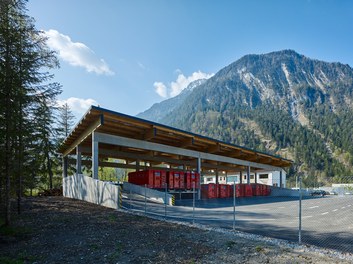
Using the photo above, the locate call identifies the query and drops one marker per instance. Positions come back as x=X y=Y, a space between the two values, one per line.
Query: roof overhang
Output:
x=126 y=137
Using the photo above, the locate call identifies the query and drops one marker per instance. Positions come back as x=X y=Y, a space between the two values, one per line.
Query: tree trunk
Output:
x=50 y=172
x=7 y=175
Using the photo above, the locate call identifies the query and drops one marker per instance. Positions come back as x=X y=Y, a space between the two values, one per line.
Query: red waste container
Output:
x=182 y=180
x=268 y=190
x=157 y=180
x=231 y=190
x=209 y=191
x=187 y=176
x=239 y=190
x=170 y=179
x=163 y=178
x=259 y=190
x=195 y=179
x=248 y=190
x=223 y=191
x=176 y=180
x=263 y=189
x=142 y=178
x=256 y=189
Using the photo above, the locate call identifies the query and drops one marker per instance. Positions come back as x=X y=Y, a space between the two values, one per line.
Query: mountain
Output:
x=159 y=110
x=282 y=103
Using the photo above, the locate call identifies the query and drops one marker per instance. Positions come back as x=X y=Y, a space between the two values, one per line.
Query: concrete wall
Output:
x=151 y=194
x=276 y=191
x=91 y=190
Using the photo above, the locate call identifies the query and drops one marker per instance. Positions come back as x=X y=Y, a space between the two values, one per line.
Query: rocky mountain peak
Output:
x=301 y=107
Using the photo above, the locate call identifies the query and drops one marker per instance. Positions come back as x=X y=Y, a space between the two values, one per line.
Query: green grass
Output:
x=259 y=248
x=7 y=260
x=14 y=231
x=23 y=257
x=112 y=218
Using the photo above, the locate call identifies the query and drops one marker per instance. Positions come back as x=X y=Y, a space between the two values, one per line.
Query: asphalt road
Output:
x=326 y=221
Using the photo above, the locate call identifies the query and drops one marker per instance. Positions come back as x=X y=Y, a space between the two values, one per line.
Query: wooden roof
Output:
x=118 y=124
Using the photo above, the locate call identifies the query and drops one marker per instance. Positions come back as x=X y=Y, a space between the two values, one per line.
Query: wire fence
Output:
x=321 y=217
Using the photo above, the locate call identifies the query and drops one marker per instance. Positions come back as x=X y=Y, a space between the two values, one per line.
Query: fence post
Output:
x=130 y=199
x=300 y=211
x=234 y=206
x=145 y=198
x=165 y=201
x=120 y=195
x=193 y=204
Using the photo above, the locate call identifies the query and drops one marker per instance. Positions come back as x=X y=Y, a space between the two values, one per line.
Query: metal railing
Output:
x=324 y=221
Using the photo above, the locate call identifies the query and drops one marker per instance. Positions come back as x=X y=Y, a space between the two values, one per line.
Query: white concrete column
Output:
x=199 y=172
x=256 y=177
x=65 y=163
x=94 y=156
x=78 y=160
x=248 y=175
x=137 y=165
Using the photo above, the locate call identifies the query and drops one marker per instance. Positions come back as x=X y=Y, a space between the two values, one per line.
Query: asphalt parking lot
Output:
x=326 y=221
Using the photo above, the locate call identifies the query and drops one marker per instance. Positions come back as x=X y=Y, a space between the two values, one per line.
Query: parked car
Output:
x=318 y=192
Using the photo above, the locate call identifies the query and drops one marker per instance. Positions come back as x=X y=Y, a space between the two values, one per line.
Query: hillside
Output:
x=282 y=103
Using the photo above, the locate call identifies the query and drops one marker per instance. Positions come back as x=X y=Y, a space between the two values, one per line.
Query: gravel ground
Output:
x=62 y=230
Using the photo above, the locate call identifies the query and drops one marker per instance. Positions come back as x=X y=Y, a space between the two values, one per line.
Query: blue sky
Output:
x=128 y=55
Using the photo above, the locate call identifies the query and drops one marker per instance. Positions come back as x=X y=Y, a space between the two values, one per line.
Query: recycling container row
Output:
x=213 y=190
x=151 y=178
x=157 y=179
x=254 y=189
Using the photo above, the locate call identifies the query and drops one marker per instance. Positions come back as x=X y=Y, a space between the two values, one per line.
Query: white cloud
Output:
x=160 y=89
x=78 y=106
x=76 y=53
x=175 y=87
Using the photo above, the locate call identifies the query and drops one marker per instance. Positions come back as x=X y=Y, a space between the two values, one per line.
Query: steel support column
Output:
x=137 y=165
x=78 y=160
x=248 y=175
x=199 y=172
x=65 y=165
x=256 y=177
x=94 y=156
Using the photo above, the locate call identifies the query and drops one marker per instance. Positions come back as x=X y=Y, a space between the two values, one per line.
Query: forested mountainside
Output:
x=159 y=110
x=281 y=103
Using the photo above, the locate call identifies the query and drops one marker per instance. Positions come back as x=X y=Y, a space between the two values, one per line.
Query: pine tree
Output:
x=24 y=87
x=65 y=121
x=64 y=125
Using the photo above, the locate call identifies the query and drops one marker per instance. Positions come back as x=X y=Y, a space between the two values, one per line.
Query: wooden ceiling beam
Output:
x=150 y=133
x=188 y=142
x=214 y=148
x=87 y=132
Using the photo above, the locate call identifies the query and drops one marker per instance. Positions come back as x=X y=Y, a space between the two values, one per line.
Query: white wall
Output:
x=273 y=178
x=91 y=190
x=154 y=195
